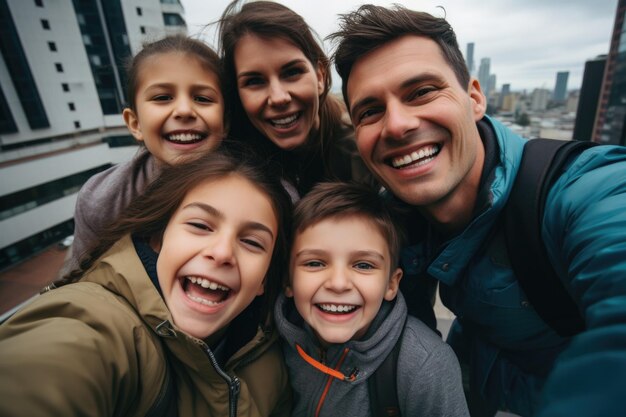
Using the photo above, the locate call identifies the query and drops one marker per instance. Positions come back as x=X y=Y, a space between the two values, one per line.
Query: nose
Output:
x=278 y=95
x=399 y=120
x=184 y=108
x=338 y=280
x=220 y=248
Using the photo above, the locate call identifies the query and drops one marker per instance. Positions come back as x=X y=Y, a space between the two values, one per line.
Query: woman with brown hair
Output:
x=278 y=81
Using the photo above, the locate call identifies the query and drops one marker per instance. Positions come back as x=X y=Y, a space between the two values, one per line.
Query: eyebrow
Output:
x=360 y=253
x=212 y=211
x=366 y=101
x=171 y=85
x=287 y=65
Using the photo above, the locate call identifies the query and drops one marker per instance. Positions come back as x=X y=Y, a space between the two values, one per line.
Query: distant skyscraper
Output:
x=588 y=100
x=610 y=125
x=483 y=75
x=560 y=88
x=469 y=57
x=506 y=90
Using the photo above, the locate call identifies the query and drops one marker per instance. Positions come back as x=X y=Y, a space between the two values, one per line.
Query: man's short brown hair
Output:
x=370 y=27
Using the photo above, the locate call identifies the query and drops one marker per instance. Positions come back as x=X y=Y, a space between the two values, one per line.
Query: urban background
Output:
x=62 y=89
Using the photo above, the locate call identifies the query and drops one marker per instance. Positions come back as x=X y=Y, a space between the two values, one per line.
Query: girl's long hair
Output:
x=148 y=215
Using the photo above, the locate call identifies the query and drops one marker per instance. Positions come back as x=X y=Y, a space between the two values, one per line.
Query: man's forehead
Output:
x=408 y=54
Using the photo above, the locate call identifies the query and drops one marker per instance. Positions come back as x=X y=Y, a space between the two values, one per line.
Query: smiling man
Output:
x=421 y=129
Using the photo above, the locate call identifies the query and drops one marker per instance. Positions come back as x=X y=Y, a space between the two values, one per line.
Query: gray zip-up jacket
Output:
x=428 y=373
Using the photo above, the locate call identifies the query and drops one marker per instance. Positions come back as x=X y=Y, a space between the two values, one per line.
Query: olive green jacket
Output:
x=99 y=347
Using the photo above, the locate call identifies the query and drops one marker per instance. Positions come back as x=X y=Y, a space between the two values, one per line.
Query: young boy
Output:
x=342 y=313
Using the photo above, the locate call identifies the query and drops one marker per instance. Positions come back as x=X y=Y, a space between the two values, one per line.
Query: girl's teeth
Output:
x=185 y=137
x=205 y=283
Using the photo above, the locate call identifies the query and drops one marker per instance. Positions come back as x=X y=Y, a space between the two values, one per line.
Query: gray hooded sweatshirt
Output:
x=428 y=373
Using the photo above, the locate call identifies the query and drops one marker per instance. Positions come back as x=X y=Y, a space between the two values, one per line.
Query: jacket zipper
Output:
x=329 y=380
x=234 y=384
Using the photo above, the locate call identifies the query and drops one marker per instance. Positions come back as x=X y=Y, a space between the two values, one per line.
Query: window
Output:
x=95 y=60
x=65 y=87
x=142 y=29
x=172 y=19
x=45 y=24
x=76 y=124
x=139 y=11
x=39 y=3
x=87 y=39
x=59 y=67
x=71 y=106
x=52 y=46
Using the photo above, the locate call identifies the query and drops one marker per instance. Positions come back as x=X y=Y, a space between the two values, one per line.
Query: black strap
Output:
x=382 y=386
x=542 y=163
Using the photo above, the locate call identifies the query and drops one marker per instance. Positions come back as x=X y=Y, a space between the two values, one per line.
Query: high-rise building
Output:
x=483 y=75
x=62 y=88
x=560 y=88
x=506 y=90
x=589 y=96
x=610 y=124
x=469 y=57
x=539 y=99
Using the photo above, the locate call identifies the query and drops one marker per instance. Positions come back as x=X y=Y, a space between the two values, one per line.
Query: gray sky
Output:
x=528 y=41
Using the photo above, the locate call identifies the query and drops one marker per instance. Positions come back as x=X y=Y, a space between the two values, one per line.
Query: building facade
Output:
x=62 y=84
x=610 y=123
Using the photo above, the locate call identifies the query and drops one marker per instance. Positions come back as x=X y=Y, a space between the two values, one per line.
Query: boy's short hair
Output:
x=338 y=200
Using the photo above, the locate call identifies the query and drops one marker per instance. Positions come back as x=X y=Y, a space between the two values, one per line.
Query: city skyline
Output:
x=527 y=42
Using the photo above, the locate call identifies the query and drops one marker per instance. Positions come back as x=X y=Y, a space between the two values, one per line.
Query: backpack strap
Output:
x=543 y=161
x=382 y=385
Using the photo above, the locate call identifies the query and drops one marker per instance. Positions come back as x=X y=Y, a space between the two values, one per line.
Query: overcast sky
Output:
x=528 y=41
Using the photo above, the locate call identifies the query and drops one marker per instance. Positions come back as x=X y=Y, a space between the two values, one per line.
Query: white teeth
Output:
x=334 y=308
x=285 y=120
x=202 y=300
x=185 y=137
x=422 y=157
x=205 y=283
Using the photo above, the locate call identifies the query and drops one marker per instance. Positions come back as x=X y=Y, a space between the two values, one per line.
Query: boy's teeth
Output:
x=205 y=283
x=337 y=308
x=423 y=156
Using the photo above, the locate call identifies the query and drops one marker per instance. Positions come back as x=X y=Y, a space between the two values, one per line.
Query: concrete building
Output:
x=62 y=88
x=539 y=99
x=610 y=123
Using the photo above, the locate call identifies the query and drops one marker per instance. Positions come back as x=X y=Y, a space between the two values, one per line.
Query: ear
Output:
x=477 y=98
x=321 y=76
x=289 y=291
x=394 y=284
x=132 y=123
x=261 y=288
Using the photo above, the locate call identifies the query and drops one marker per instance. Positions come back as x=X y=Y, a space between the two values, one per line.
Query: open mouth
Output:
x=204 y=291
x=415 y=158
x=285 y=122
x=337 y=308
x=185 y=138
